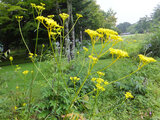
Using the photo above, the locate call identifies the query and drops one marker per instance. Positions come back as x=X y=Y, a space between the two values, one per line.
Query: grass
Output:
x=144 y=85
x=10 y=78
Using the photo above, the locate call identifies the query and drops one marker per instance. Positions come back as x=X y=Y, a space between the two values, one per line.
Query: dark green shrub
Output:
x=53 y=105
x=152 y=46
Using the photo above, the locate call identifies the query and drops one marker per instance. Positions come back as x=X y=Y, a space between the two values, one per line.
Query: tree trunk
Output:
x=67 y=39
x=81 y=36
x=72 y=33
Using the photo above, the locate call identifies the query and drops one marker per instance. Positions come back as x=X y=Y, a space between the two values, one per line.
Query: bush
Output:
x=152 y=46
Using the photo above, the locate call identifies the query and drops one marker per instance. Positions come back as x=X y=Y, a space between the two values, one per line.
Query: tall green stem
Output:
x=37 y=37
x=23 y=37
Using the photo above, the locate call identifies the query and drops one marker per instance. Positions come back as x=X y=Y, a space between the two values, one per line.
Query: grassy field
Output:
x=144 y=84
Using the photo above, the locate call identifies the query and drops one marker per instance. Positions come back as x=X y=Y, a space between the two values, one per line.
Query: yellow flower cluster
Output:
x=100 y=73
x=93 y=34
x=64 y=16
x=110 y=34
x=95 y=60
x=85 y=49
x=79 y=15
x=106 y=31
x=38 y=8
x=118 y=52
x=74 y=79
x=145 y=59
x=48 y=22
x=100 y=83
x=19 y=18
x=116 y=38
x=53 y=34
x=51 y=22
x=25 y=72
x=31 y=55
x=106 y=34
x=128 y=95
x=11 y=58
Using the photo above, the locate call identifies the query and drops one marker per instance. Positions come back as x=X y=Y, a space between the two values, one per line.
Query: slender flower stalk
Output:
x=23 y=37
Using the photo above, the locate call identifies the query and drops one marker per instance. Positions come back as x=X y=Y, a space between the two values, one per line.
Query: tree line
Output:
x=144 y=24
x=93 y=18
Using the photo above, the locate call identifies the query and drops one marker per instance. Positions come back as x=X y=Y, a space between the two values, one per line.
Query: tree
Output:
x=123 y=26
x=8 y=27
x=156 y=14
x=143 y=25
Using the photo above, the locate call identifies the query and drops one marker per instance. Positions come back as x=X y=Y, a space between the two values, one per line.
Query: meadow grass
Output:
x=144 y=84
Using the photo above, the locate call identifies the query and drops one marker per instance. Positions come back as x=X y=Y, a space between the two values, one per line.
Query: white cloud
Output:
x=129 y=10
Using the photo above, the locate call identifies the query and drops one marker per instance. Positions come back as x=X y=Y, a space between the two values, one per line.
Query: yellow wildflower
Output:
x=93 y=79
x=99 y=80
x=53 y=34
x=17 y=87
x=40 y=18
x=99 y=83
x=17 y=68
x=30 y=55
x=119 y=39
x=118 y=52
x=71 y=78
x=33 y=5
x=64 y=16
x=74 y=79
x=11 y=58
x=50 y=16
x=19 y=18
x=15 y=107
x=100 y=87
x=39 y=8
x=51 y=23
x=79 y=15
x=92 y=33
x=24 y=104
x=100 y=73
x=145 y=59
x=95 y=60
x=84 y=48
x=106 y=83
x=78 y=52
x=107 y=31
x=25 y=72
x=134 y=40
x=128 y=95
x=42 y=4
x=43 y=45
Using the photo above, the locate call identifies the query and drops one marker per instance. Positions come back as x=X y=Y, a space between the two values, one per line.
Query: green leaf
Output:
x=16 y=8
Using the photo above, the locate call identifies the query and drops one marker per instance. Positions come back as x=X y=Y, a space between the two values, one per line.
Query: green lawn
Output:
x=144 y=84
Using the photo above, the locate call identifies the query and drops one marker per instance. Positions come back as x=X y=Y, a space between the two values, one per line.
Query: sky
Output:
x=129 y=10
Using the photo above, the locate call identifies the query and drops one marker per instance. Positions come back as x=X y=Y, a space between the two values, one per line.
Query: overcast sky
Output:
x=129 y=10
